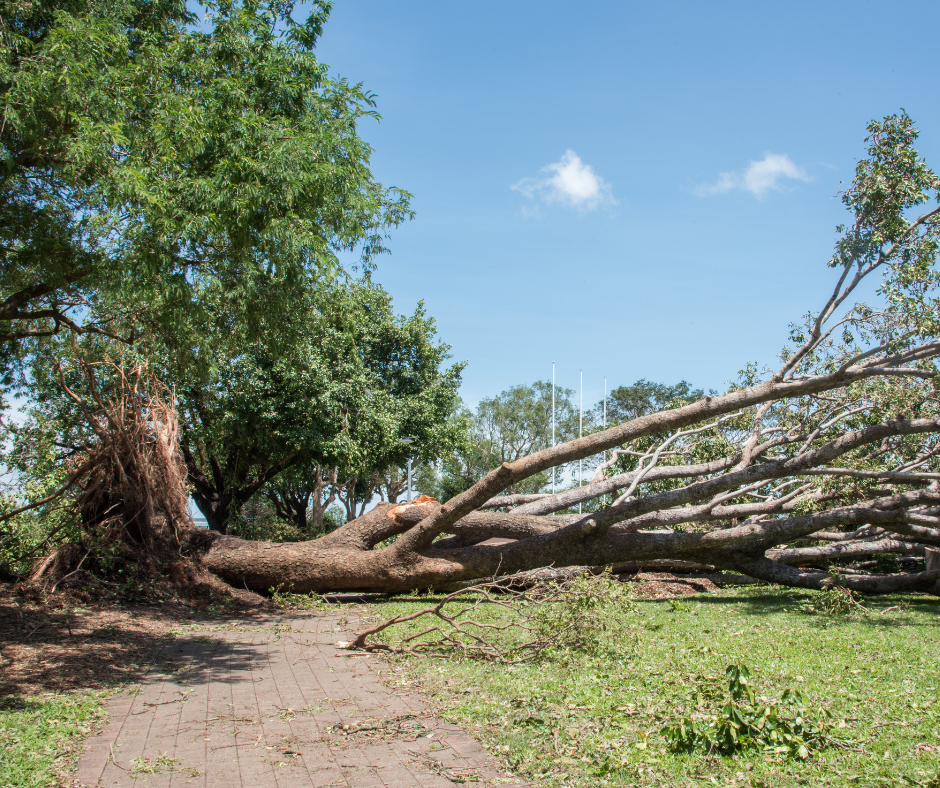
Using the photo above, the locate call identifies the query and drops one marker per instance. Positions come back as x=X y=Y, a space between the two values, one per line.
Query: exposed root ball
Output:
x=133 y=503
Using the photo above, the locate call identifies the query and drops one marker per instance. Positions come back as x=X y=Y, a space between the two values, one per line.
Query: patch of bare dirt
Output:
x=67 y=642
x=662 y=585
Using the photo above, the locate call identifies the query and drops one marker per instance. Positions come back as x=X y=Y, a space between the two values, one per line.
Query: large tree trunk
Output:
x=742 y=512
x=320 y=503
x=932 y=559
x=347 y=561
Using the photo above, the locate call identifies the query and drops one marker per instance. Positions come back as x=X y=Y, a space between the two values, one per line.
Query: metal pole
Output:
x=553 y=423
x=409 y=477
x=605 y=417
x=580 y=426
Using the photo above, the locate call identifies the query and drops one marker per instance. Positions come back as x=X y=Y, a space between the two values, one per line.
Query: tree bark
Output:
x=321 y=504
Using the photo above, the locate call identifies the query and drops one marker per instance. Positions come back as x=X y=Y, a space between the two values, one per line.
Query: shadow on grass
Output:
x=887 y=610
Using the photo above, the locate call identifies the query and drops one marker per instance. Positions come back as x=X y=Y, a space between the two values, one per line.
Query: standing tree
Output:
x=840 y=445
x=626 y=403
x=392 y=484
x=383 y=474
x=302 y=494
x=353 y=381
x=151 y=170
x=164 y=184
x=642 y=399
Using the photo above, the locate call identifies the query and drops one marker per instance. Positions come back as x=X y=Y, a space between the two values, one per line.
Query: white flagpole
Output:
x=605 y=413
x=553 y=423
x=580 y=426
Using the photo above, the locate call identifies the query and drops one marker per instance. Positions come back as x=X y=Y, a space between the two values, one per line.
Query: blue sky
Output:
x=638 y=190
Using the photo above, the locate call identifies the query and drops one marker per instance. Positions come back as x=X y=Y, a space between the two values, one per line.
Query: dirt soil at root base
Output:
x=67 y=643
x=74 y=647
x=662 y=585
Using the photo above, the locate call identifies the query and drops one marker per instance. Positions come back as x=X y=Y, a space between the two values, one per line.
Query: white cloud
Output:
x=569 y=181
x=758 y=178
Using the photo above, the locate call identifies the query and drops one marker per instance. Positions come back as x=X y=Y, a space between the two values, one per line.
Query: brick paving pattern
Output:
x=271 y=702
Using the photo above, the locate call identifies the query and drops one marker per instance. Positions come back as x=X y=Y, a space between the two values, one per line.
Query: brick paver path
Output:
x=271 y=702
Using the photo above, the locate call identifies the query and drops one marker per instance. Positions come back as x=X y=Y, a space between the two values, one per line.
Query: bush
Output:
x=748 y=723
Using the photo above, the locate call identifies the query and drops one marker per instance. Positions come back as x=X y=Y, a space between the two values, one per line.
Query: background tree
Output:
x=392 y=484
x=319 y=488
x=301 y=495
x=626 y=403
x=260 y=520
x=354 y=380
x=504 y=428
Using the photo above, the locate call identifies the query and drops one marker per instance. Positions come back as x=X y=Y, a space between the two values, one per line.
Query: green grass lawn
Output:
x=576 y=718
x=39 y=735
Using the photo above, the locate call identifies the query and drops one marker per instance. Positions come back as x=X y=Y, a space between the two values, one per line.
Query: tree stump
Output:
x=933 y=559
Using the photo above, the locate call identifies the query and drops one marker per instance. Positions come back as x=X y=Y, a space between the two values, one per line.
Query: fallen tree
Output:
x=440 y=544
x=825 y=470
x=829 y=459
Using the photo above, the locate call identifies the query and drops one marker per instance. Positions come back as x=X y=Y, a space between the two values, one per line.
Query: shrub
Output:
x=745 y=722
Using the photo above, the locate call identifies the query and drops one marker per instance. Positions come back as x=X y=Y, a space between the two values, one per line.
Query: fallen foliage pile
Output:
x=662 y=585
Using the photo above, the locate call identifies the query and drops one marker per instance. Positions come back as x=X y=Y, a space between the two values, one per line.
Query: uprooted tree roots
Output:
x=131 y=499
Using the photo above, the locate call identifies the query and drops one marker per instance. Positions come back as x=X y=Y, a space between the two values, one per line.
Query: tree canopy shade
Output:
x=146 y=162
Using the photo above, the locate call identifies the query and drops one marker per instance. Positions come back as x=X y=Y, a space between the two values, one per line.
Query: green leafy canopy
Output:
x=146 y=160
